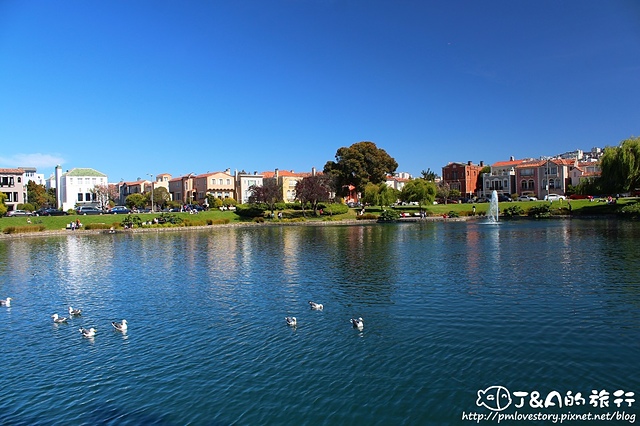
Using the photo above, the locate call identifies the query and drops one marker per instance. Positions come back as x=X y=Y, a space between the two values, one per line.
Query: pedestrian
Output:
x=474 y=209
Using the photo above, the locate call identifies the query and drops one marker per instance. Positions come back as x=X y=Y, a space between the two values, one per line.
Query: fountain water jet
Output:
x=494 y=211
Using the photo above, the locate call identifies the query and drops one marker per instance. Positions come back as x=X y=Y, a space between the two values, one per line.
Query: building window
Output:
x=87 y=196
x=228 y=181
x=531 y=184
x=220 y=181
x=80 y=199
x=523 y=184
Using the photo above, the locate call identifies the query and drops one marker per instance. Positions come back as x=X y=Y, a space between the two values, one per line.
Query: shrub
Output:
x=513 y=211
x=98 y=226
x=453 y=214
x=217 y=221
x=250 y=210
x=23 y=229
x=130 y=221
x=367 y=216
x=335 y=209
x=631 y=210
x=258 y=219
x=388 y=216
x=26 y=206
x=194 y=222
x=541 y=211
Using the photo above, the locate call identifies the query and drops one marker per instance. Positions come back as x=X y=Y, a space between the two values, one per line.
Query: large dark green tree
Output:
x=621 y=167
x=358 y=165
x=429 y=175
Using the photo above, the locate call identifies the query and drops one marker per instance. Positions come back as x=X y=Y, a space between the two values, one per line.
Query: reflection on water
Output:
x=449 y=308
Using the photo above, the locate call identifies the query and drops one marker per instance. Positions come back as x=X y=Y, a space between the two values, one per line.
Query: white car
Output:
x=554 y=197
x=527 y=198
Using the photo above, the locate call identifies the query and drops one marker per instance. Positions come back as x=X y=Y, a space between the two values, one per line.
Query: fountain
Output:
x=494 y=211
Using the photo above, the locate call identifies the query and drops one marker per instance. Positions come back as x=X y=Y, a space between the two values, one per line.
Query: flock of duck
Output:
x=293 y=322
x=86 y=332
x=122 y=326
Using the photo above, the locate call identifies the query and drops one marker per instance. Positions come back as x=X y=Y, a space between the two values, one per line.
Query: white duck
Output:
x=357 y=323
x=6 y=302
x=58 y=319
x=316 y=306
x=292 y=321
x=120 y=326
x=88 y=332
x=74 y=312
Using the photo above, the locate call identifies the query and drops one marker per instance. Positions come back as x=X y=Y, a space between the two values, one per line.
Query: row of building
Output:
x=76 y=187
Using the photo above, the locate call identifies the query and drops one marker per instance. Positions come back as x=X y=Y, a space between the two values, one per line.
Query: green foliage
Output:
x=388 y=215
x=250 y=210
x=358 y=165
x=130 y=221
x=228 y=202
x=3 y=206
x=334 y=209
x=218 y=221
x=453 y=214
x=169 y=218
x=269 y=193
x=135 y=201
x=513 y=211
x=39 y=196
x=621 y=167
x=631 y=210
x=540 y=211
x=429 y=175
x=161 y=197
x=419 y=191
x=26 y=206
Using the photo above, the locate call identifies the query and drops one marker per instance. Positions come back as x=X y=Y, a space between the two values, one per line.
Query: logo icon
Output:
x=495 y=398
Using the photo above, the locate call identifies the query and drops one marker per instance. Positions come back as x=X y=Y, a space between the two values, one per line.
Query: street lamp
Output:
x=152 y=209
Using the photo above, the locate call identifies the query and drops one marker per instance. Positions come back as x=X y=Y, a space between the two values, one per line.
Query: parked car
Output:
x=50 y=212
x=85 y=210
x=554 y=197
x=527 y=198
x=119 y=210
x=19 y=213
x=504 y=198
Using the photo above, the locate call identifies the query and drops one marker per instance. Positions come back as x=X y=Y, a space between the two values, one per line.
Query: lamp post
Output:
x=152 y=208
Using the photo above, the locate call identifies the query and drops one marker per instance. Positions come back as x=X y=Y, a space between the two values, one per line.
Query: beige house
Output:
x=219 y=184
x=288 y=180
x=13 y=186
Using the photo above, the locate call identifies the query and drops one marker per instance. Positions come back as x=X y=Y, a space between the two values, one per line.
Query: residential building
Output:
x=397 y=180
x=182 y=189
x=31 y=175
x=243 y=182
x=584 y=170
x=501 y=179
x=125 y=189
x=543 y=177
x=219 y=184
x=14 y=187
x=76 y=187
x=288 y=179
x=463 y=177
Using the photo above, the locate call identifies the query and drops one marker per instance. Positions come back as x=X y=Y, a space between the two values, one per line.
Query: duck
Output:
x=88 y=332
x=357 y=323
x=58 y=319
x=292 y=321
x=120 y=326
x=6 y=302
x=316 y=306
x=74 y=312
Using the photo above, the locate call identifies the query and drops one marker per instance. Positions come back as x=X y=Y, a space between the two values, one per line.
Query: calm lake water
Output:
x=449 y=309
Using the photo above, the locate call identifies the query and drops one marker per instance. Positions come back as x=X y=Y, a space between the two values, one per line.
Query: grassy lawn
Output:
x=50 y=223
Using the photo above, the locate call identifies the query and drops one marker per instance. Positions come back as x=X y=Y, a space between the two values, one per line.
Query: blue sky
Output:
x=137 y=87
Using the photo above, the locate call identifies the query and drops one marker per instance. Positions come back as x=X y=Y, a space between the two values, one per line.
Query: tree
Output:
x=38 y=196
x=480 y=181
x=135 y=201
x=380 y=195
x=443 y=190
x=313 y=190
x=3 y=206
x=269 y=193
x=101 y=196
x=161 y=197
x=621 y=167
x=419 y=191
x=358 y=165
x=428 y=175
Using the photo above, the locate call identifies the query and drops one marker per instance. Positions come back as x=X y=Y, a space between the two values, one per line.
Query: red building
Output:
x=463 y=177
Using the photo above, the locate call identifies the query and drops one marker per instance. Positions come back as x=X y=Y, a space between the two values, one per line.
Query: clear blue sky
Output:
x=137 y=87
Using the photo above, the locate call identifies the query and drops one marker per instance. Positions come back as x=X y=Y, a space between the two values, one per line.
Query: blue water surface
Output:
x=449 y=309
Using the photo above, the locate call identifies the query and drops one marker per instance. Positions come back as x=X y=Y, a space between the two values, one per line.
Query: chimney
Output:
x=313 y=171
x=277 y=173
x=512 y=158
x=469 y=163
x=481 y=163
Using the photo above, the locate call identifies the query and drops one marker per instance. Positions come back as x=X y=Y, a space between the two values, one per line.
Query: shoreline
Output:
x=343 y=222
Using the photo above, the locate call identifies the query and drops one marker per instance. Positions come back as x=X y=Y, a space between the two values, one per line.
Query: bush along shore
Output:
x=336 y=214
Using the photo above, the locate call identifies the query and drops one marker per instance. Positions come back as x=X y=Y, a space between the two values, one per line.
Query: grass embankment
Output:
x=15 y=225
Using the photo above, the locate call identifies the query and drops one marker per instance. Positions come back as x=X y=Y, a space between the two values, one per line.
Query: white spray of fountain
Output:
x=494 y=211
